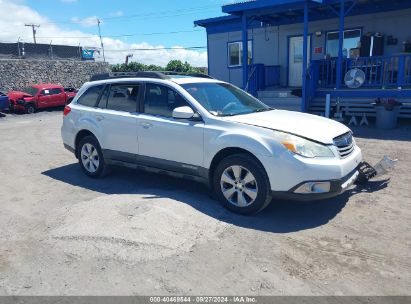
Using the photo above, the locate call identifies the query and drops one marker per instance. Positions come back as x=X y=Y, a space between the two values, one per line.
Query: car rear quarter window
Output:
x=90 y=97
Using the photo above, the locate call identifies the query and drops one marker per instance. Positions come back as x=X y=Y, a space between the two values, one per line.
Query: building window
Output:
x=235 y=53
x=351 y=40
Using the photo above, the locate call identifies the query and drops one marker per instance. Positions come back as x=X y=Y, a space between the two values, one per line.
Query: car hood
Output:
x=312 y=127
x=18 y=94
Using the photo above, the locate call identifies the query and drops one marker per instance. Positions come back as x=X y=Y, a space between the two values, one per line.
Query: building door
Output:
x=295 y=64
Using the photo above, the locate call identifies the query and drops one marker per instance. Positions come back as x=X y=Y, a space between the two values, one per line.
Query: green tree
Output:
x=177 y=66
x=173 y=66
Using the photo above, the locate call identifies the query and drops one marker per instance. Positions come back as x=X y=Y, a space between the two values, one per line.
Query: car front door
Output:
x=45 y=99
x=165 y=142
x=116 y=114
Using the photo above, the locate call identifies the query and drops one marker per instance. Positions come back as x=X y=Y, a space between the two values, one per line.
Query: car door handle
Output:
x=99 y=117
x=146 y=125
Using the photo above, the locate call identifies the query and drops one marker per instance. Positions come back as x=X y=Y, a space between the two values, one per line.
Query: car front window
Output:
x=30 y=90
x=222 y=99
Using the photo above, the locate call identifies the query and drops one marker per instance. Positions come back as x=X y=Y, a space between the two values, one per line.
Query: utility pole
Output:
x=128 y=57
x=33 y=27
x=101 y=40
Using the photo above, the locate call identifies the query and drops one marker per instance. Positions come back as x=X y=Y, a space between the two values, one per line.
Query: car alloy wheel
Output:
x=239 y=186
x=30 y=109
x=90 y=158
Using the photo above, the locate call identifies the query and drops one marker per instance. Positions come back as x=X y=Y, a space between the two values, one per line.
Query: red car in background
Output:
x=39 y=96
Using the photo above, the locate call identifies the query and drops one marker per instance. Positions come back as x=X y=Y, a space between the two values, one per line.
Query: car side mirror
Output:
x=183 y=113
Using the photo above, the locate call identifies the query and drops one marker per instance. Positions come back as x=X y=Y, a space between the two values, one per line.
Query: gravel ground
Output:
x=135 y=233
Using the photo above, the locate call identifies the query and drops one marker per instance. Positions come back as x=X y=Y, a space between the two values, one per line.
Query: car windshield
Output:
x=222 y=99
x=30 y=90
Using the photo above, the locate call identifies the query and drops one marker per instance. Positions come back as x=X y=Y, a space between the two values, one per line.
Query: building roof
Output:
x=221 y=19
x=280 y=12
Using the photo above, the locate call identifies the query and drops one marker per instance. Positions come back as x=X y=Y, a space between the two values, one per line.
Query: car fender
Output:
x=259 y=146
x=86 y=123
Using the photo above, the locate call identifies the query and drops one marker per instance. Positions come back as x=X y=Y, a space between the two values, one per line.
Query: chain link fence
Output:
x=22 y=50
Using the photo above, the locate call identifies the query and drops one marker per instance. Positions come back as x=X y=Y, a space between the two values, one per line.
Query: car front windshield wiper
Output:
x=263 y=110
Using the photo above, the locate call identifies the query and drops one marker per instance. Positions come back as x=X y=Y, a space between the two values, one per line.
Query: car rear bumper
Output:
x=4 y=105
x=337 y=187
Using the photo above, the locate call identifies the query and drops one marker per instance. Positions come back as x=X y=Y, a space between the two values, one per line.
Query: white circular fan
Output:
x=354 y=78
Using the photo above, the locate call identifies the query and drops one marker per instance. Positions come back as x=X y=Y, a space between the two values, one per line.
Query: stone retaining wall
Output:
x=18 y=73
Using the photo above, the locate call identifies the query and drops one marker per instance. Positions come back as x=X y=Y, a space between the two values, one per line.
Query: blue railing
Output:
x=272 y=75
x=256 y=78
x=380 y=71
x=261 y=76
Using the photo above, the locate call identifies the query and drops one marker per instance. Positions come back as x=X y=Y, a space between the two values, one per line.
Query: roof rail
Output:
x=199 y=75
x=148 y=74
x=113 y=75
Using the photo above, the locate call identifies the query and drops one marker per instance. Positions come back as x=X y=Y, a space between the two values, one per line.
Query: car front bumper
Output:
x=337 y=186
x=287 y=172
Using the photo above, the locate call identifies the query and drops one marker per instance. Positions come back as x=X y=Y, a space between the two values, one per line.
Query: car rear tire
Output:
x=241 y=184
x=30 y=108
x=91 y=158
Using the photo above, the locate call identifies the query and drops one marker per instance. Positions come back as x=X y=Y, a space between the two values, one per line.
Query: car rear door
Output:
x=116 y=114
x=59 y=97
x=165 y=142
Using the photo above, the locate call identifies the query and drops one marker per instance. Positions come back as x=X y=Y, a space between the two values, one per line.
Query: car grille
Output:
x=345 y=144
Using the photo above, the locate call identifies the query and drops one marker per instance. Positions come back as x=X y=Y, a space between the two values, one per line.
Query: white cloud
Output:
x=12 y=27
x=86 y=22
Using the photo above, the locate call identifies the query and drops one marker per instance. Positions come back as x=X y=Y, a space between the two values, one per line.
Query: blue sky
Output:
x=148 y=22
x=149 y=16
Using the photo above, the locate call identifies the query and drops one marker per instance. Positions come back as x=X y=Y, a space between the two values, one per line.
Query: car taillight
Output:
x=66 y=111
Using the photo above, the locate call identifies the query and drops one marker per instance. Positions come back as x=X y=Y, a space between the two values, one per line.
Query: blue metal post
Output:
x=401 y=71
x=340 y=45
x=245 y=50
x=304 y=104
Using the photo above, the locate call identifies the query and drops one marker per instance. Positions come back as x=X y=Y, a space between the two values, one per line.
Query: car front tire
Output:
x=30 y=108
x=241 y=184
x=91 y=158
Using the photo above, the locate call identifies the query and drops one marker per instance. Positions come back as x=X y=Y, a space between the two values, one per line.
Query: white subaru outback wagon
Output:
x=196 y=127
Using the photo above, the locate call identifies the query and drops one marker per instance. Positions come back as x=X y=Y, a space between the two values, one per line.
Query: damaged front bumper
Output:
x=317 y=190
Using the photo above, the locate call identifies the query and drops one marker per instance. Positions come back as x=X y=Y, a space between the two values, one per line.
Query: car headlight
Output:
x=302 y=146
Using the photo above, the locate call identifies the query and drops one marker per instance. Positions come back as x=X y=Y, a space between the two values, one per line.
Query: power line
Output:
x=160 y=49
x=152 y=15
x=125 y=35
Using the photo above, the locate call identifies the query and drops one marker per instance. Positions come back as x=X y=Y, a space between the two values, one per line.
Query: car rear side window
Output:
x=89 y=98
x=123 y=97
x=55 y=91
x=161 y=100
